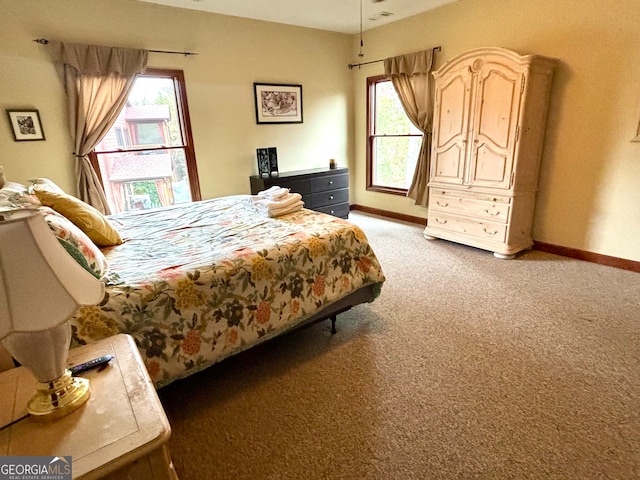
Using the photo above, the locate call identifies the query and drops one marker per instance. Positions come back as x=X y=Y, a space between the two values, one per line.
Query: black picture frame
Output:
x=273 y=160
x=264 y=166
x=278 y=103
x=26 y=125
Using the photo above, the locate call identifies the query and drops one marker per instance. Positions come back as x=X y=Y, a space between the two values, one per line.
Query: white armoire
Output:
x=489 y=122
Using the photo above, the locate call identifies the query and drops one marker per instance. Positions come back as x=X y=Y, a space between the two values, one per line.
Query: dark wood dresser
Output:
x=322 y=189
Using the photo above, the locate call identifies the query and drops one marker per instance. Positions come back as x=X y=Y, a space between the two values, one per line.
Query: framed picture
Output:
x=26 y=125
x=264 y=167
x=278 y=103
x=273 y=160
x=267 y=161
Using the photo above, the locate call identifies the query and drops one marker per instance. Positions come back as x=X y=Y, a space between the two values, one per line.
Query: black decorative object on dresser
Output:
x=322 y=189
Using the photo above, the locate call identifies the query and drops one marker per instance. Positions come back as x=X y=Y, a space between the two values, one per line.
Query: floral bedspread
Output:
x=196 y=283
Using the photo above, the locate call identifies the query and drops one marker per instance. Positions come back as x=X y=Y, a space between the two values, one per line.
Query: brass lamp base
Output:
x=59 y=397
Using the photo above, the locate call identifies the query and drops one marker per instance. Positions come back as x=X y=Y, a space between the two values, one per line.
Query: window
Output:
x=393 y=142
x=147 y=159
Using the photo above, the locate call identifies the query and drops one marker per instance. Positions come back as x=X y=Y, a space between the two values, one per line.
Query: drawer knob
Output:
x=330 y=197
x=445 y=204
x=492 y=214
x=488 y=232
x=330 y=182
x=332 y=212
x=442 y=222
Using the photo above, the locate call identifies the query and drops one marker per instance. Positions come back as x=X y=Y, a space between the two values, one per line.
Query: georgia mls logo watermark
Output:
x=35 y=468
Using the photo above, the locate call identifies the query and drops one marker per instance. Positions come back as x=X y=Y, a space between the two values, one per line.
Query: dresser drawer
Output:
x=302 y=187
x=478 y=228
x=496 y=211
x=330 y=197
x=339 y=210
x=329 y=182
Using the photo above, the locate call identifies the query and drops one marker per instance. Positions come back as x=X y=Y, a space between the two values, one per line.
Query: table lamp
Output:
x=41 y=286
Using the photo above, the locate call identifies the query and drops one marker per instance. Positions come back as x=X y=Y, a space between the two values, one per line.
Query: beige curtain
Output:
x=411 y=77
x=97 y=81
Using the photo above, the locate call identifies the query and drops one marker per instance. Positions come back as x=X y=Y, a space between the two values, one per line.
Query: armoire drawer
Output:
x=469 y=226
x=470 y=207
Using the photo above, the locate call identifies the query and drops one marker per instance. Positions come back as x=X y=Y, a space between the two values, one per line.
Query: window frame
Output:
x=185 y=124
x=371 y=136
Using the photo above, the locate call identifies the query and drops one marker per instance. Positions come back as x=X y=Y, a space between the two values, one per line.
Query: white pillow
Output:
x=15 y=195
x=44 y=184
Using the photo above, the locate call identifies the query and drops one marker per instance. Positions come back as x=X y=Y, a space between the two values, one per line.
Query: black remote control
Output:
x=96 y=362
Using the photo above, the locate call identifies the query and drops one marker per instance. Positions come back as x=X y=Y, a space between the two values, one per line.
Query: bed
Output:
x=196 y=283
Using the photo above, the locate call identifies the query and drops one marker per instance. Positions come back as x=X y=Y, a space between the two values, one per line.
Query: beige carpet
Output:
x=466 y=367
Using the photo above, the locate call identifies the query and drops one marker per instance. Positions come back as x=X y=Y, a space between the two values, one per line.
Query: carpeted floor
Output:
x=465 y=367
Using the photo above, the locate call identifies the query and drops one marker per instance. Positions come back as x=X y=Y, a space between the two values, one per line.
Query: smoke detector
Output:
x=379 y=15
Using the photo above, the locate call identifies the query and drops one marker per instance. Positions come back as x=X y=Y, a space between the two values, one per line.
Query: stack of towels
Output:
x=276 y=201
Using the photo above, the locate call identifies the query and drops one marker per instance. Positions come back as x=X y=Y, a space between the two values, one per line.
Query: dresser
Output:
x=322 y=189
x=490 y=115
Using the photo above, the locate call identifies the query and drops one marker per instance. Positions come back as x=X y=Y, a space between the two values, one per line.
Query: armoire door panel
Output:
x=491 y=167
x=448 y=165
x=453 y=112
x=496 y=123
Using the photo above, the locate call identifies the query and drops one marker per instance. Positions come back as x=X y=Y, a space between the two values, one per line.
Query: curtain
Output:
x=98 y=81
x=411 y=77
x=165 y=193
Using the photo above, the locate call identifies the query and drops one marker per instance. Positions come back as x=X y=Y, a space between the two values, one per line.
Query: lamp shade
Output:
x=41 y=285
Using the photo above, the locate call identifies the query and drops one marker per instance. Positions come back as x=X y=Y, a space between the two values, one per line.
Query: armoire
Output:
x=490 y=114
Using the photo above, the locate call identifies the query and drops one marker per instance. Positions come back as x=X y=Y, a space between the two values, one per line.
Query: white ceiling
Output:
x=332 y=15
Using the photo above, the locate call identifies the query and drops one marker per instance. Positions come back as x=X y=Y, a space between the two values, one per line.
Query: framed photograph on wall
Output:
x=278 y=103
x=26 y=125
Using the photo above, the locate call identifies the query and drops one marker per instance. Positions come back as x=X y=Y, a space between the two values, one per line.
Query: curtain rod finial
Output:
x=42 y=41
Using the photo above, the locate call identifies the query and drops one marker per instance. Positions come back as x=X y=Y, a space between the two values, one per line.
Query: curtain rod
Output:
x=352 y=65
x=44 y=41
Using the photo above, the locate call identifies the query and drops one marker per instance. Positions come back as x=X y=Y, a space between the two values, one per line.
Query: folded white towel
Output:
x=274 y=193
x=268 y=204
x=277 y=212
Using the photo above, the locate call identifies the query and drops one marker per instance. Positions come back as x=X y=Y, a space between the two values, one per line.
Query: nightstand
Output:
x=120 y=433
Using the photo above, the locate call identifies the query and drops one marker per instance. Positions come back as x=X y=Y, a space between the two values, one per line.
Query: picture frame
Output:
x=273 y=160
x=26 y=125
x=264 y=167
x=278 y=103
x=267 y=161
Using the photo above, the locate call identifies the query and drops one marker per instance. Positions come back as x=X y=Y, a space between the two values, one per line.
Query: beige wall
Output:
x=233 y=53
x=589 y=189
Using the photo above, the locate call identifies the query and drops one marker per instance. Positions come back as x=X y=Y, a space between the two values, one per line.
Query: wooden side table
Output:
x=120 y=433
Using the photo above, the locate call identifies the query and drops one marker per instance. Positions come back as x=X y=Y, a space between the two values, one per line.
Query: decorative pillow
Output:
x=44 y=184
x=85 y=217
x=15 y=195
x=76 y=243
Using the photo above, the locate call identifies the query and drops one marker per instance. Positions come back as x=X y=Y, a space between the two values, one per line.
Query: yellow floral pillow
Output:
x=83 y=215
